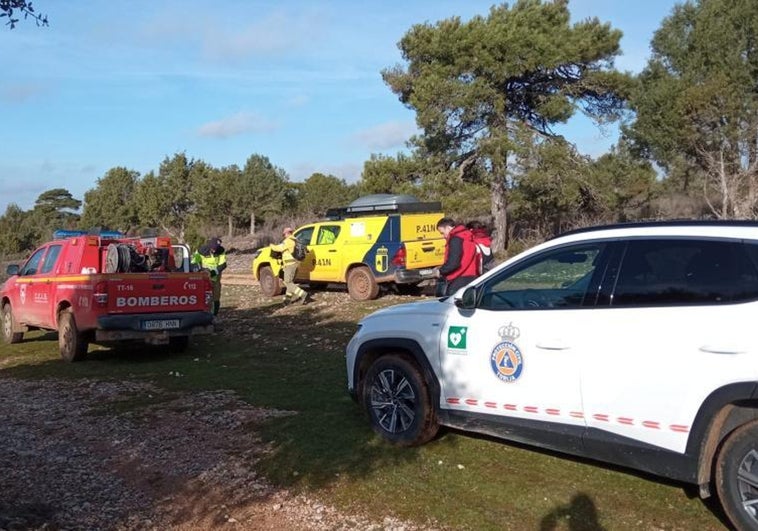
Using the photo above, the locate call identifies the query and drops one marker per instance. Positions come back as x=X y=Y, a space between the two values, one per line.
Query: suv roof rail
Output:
x=665 y=223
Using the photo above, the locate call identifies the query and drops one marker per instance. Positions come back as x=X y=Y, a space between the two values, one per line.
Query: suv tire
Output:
x=270 y=285
x=361 y=284
x=71 y=343
x=9 y=336
x=398 y=403
x=737 y=476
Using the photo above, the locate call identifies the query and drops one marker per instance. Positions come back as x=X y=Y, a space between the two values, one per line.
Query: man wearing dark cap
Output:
x=211 y=257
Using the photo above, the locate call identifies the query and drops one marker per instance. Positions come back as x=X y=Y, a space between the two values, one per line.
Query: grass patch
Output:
x=293 y=359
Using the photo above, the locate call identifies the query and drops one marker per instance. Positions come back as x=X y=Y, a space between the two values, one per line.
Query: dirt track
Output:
x=69 y=460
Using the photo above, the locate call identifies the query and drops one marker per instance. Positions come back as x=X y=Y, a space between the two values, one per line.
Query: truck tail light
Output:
x=399 y=258
x=100 y=296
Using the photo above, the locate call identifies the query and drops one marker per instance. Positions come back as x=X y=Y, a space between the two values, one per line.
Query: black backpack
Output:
x=300 y=250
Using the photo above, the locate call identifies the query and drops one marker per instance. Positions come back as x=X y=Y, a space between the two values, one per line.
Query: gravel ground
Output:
x=73 y=457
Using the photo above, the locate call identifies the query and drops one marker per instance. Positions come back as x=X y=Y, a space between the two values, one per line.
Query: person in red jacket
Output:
x=483 y=241
x=461 y=257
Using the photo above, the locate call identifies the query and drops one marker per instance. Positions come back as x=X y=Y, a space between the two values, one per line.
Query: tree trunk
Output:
x=252 y=223
x=230 y=232
x=499 y=202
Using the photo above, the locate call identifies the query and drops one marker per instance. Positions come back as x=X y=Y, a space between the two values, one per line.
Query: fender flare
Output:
x=374 y=348
x=718 y=415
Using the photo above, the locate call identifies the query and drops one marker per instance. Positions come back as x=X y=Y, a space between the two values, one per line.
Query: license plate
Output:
x=162 y=324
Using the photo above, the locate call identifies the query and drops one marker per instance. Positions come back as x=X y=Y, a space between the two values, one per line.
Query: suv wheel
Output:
x=397 y=400
x=71 y=343
x=737 y=476
x=361 y=284
x=9 y=336
x=270 y=285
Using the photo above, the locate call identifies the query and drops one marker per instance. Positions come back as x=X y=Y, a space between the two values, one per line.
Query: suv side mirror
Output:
x=467 y=300
x=11 y=270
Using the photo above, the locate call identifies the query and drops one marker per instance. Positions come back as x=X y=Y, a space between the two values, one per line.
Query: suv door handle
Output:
x=721 y=349
x=554 y=344
x=332 y=250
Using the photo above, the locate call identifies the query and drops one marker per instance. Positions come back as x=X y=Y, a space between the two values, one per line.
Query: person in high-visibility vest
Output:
x=290 y=263
x=211 y=256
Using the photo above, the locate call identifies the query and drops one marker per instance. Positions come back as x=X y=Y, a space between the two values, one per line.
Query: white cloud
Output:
x=232 y=38
x=237 y=124
x=385 y=136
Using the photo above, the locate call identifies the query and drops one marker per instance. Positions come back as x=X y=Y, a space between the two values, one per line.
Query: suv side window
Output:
x=327 y=234
x=32 y=265
x=304 y=235
x=50 y=258
x=668 y=272
x=558 y=278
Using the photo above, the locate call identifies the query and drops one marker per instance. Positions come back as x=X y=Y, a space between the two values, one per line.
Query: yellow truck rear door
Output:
x=424 y=245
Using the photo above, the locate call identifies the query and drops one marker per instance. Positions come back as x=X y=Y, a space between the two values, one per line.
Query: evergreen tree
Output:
x=476 y=85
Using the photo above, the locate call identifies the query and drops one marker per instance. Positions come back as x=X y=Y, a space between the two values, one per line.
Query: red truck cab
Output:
x=103 y=288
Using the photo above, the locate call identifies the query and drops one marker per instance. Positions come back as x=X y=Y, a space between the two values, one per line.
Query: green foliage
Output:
x=215 y=195
x=166 y=200
x=262 y=189
x=473 y=84
x=320 y=192
x=54 y=209
x=12 y=9
x=697 y=102
x=624 y=185
x=112 y=203
x=552 y=187
x=15 y=234
x=383 y=174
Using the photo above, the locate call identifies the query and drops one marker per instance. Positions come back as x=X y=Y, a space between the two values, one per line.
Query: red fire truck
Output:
x=101 y=288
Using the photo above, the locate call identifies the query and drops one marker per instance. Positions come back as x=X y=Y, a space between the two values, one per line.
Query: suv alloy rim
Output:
x=7 y=326
x=393 y=401
x=747 y=481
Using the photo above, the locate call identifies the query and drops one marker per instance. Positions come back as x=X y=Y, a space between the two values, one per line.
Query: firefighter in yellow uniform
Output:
x=211 y=256
x=287 y=248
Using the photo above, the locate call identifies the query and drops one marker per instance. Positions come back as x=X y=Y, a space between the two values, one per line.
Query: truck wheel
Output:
x=737 y=476
x=398 y=403
x=178 y=344
x=361 y=284
x=270 y=285
x=71 y=343
x=9 y=336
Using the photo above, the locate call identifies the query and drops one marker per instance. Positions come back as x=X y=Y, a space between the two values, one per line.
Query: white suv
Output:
x=631 y=344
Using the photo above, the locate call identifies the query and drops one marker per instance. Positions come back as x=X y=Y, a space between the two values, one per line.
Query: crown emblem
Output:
x=509 y=332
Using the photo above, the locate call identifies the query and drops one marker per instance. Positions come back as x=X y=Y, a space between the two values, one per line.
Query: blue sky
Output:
x=127 y=83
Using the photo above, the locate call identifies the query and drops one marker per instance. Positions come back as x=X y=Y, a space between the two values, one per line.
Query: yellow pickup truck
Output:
x=377 y=239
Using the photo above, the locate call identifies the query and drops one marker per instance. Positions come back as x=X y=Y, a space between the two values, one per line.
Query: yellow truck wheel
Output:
x=271 y=286
x=361 y=284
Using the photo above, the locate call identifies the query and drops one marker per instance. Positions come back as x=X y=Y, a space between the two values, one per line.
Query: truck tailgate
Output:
x=156 y=293
x=424 y=253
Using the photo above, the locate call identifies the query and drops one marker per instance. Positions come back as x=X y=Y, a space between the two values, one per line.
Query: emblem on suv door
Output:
x=506 y=360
